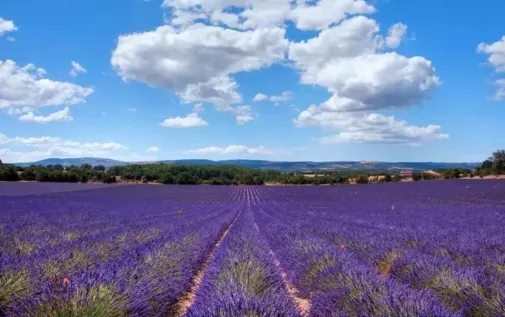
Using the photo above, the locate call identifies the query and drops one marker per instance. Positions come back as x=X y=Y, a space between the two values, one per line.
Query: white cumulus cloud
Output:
x=76 y=69
x=58 y=116
x=253 y=14
x=349 y=60
x=26 y=87
x=198 y=108
x=197 y=62
x=362 y=127
x=206 y=42
x=276 y=99
x=396 y=35
x=192 y=120
x=318 y=15
x=19 y=111
x=500 y=93
x=496 y=52
x=233 y=149
x=242 y=114
x=23 y=149
x=6 y=26
x=260 y=97
x=153 y=149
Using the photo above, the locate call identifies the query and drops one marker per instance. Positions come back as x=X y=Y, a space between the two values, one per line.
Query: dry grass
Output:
x=486 y=177
x=433 y=173
x=376 y=178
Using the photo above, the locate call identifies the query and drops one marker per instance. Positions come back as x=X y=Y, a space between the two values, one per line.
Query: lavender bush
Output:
x=420 y=249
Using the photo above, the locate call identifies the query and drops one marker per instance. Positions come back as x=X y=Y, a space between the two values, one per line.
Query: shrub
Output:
x=8 y=173
x=362 y=179
x=416 y=176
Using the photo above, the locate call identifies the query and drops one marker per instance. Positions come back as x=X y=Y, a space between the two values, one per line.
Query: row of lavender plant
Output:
x=243 y=279
x=426 y=249
x=399 y=242
x=143 y=276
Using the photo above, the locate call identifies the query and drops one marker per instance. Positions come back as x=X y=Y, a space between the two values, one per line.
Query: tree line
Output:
x=56 y=173
x=226 y=175
x=176 y=174
x=494 y=165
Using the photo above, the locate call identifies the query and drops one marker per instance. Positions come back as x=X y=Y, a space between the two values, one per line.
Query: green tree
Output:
x=43 y=176
x=249 y=180
x=396 y=178
x=8 y=173
x=258 y=180
x=362 y=179
x=58 y=167
x=72 y=177
x=83 y=177
x=109 y=179
x=29 y=175
x=167 y=178
x=498 y=160
x=185 y=178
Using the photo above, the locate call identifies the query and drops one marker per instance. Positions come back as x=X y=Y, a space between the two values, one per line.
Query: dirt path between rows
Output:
x=186 y=301
x=301 y=303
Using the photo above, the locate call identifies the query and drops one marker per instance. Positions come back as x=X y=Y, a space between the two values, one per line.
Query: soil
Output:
x=430 y=172
x=186 y=300
x=302 y=303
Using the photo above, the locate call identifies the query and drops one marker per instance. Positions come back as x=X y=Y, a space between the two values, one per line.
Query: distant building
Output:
x=406 y=173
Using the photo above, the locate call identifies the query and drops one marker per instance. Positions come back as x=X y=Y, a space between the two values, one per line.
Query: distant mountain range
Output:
x=370 y=166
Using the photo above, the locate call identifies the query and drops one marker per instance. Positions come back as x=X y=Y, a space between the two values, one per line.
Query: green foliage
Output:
x=454 y=173
x=73 y=174
x=190 y=175
x=362 y=179
x=417 y=176
x=185 y=178
x=396 y=178
x=429 y=176
x=495 y=165
x=94 y=301
x=29 y=175
x=167 y=179
x=209 y=175
x=8 y=173
x=14 y=287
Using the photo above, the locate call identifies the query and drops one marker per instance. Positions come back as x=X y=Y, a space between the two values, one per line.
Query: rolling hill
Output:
x=303 y=166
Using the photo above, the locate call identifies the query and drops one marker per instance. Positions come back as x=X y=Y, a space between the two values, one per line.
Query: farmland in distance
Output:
x=416 y=249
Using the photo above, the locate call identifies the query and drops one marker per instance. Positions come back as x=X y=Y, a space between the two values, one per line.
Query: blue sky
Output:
x=259 y=79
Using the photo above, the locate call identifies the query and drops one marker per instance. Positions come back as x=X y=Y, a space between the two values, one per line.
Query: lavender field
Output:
x=415 y=249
